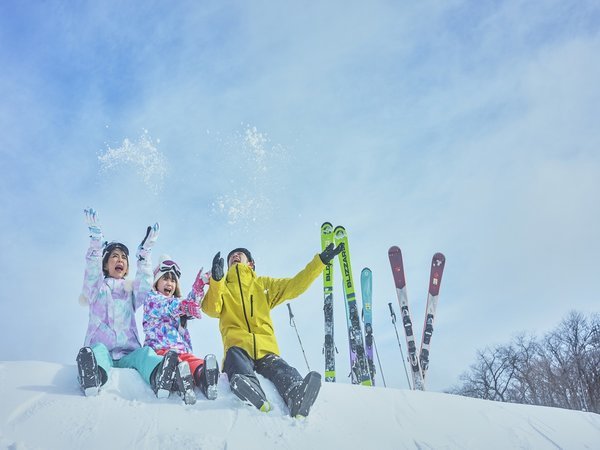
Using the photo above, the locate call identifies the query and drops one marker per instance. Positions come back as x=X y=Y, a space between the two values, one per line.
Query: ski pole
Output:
x=293 y=324
x=379 y=362
x=399 y=345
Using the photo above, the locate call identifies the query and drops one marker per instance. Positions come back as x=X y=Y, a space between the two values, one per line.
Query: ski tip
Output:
x=340 y=232
x=365 y=271
x=327 y=227
x=393 y=250
x=438 y=259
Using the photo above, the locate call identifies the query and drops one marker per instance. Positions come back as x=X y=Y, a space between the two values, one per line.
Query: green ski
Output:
x=329 y=346
x=358 y=361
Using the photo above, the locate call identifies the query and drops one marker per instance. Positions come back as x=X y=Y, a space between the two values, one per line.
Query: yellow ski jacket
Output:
x=242 y=301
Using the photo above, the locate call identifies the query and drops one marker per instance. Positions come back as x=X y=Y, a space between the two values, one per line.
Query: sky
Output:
x=43 y=407
x=464 y=127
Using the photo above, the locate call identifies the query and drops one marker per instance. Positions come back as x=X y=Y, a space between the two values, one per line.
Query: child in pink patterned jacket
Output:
x=165 y=326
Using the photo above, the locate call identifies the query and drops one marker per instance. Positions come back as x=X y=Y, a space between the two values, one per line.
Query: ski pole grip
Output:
x=392 y=312
x=291 y=314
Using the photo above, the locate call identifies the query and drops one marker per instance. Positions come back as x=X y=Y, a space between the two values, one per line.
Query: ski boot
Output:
x=208 y=377
x=163 y=375
x=249 y=391
x=301 y=397
x=88 y=372
x=184 y=383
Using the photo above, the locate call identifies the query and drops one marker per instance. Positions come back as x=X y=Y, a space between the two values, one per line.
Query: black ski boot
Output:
x=302 y=396
x=184 y=383
x=249 y=391
x=163 y=375
x=88 y=372
x=208 y=377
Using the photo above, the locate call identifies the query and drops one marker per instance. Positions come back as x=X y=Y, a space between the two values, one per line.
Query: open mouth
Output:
x=119 y=268
x=168 y=291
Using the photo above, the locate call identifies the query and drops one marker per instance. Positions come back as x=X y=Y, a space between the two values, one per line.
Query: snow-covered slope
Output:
x=41 y=407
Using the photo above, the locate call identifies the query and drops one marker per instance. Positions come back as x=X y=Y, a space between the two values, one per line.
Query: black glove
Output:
x=330 y=252
x=143 y=251
x=151 y=236
x=217 y=267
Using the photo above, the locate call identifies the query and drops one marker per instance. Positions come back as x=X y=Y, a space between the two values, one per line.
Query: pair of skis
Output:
x=359 y=367
x=419 y=362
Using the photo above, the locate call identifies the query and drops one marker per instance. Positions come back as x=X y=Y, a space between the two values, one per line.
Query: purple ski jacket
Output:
x=113 y=302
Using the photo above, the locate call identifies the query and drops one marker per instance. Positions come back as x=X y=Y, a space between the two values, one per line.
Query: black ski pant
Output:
x=271 y=366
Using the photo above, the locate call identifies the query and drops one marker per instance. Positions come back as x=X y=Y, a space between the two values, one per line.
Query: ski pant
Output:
x=272 y=367
x=142 y=359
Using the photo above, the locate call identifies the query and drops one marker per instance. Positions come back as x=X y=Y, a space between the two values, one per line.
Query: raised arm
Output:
x=282 y=289
x=93 y=259
x=143 y=277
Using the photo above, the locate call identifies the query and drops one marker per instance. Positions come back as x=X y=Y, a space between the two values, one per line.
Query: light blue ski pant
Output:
x=142 y=359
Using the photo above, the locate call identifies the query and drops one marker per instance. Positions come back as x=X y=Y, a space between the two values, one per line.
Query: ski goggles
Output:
x=110 y=246
x=170 y=266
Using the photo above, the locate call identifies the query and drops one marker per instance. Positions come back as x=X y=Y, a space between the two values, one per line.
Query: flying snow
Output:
x=143 y=155
x=256 y=162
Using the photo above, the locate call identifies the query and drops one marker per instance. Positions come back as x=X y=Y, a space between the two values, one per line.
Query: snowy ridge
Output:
x=42 y=408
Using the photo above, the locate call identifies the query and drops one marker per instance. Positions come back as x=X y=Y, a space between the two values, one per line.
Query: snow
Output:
x=43 y=408
x=143 y=155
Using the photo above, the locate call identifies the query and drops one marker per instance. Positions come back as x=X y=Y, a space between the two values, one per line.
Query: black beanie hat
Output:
x=245 y=251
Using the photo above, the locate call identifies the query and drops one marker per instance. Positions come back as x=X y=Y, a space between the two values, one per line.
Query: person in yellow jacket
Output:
x=242 y=301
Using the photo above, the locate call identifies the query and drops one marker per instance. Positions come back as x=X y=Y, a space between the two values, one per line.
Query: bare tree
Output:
x=491 y=375
x=562 y=369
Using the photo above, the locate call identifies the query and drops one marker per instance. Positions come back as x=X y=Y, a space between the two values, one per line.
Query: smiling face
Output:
x=237 y=257
x=117 y=264
x=167 y=284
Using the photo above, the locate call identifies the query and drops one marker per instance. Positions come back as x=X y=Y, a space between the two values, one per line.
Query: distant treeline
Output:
x=562 y=369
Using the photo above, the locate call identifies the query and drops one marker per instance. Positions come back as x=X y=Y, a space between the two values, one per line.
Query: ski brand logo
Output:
x=328 y=272
x=346 y=270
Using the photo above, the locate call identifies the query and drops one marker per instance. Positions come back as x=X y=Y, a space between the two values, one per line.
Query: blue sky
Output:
x=466 y=127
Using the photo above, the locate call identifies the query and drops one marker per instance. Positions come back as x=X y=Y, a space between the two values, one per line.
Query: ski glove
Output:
x=151 y=236
x=148 y=242
x=330 y=252
x=202 y=279
x=189 y=308
x=93 y=223
x=217 y=267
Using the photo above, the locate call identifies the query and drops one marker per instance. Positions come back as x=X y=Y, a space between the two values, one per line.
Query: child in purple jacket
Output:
x=165 y=326
x=111 y=339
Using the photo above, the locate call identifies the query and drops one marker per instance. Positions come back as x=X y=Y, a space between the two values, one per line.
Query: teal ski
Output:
x=366 y=286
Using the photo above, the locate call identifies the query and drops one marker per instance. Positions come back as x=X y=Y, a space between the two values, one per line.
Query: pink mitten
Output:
x=202 y=279
x=189 y=308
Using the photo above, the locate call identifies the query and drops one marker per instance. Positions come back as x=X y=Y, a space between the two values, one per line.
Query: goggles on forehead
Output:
x=110 y=246
x=170 y=266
